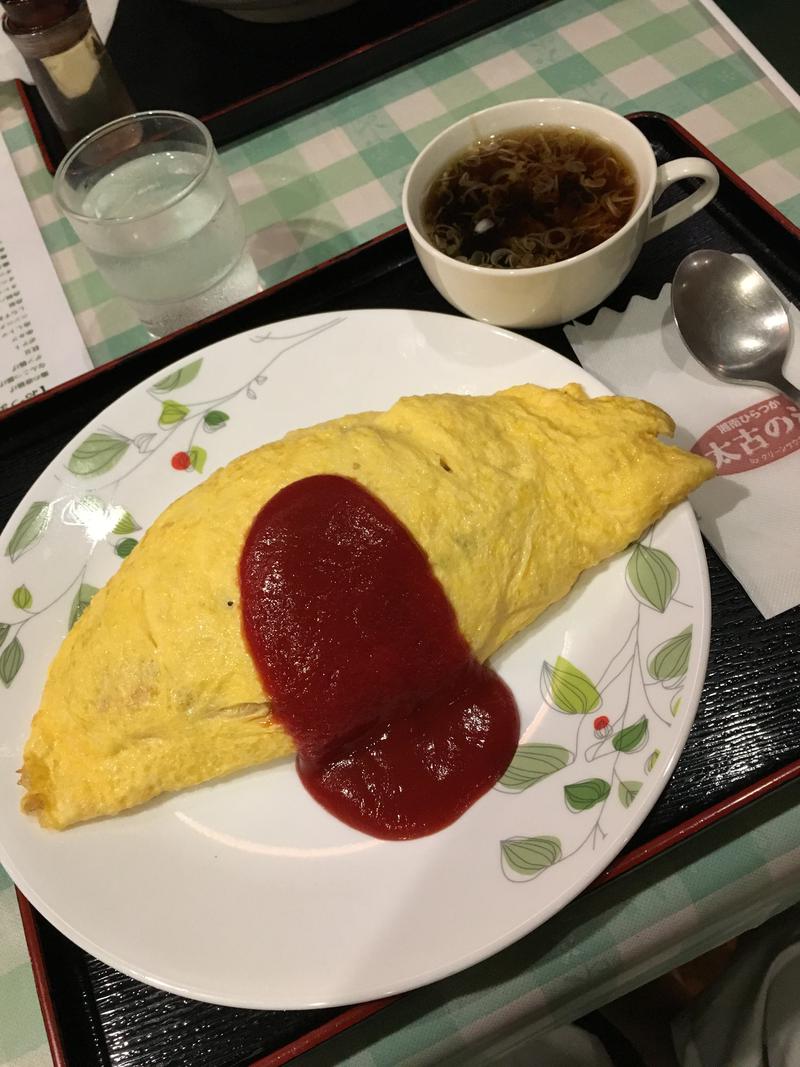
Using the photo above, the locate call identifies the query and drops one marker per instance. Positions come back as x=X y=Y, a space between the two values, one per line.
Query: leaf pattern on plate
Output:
x=124 y=547
x=651 y=760
x=214 y=420
x=529 y=856
x=671 y=658
x=652 y=576
x=11 y=660
x=568 y=689
x=22 y=597
x=627 y=792
x=81 y=602
x=171 y=413
x=126 y=525
x=580 y=796
x=31 y=528
x=632 y=738
x=197 y=458
x=97 y=454
x=531 y=763
x=181 y=376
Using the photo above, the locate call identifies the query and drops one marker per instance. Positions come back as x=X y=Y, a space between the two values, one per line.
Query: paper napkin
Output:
x=751 y=512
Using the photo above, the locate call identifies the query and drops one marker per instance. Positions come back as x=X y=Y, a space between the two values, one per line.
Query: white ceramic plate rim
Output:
x=372 y=322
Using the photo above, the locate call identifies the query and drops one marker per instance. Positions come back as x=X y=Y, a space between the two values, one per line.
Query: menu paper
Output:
x=40 y=344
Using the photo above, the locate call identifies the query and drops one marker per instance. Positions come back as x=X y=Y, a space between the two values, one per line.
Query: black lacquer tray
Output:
x=98 y=1018
x=242 y=76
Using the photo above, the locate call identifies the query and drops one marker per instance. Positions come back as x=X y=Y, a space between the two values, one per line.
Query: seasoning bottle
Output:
x=68 y=62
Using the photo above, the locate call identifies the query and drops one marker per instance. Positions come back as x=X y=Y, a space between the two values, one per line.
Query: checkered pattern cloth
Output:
x=318 y=185
x=330 y=179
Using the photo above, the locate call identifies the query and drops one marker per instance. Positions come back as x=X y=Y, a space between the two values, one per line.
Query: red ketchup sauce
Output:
x=398 y=728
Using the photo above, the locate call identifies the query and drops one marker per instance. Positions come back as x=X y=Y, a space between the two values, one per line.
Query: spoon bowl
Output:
x=732 y=320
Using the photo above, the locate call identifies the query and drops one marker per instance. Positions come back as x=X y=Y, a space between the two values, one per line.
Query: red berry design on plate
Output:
x=602 y=727
x=181 y=461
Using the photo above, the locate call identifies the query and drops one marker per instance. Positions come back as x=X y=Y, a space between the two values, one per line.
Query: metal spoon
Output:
x=732 y=320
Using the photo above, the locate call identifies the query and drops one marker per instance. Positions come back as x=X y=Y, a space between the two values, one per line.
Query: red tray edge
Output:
x=41 y=981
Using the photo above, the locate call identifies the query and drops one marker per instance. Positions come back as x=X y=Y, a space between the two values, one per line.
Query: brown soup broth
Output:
x=531 y=196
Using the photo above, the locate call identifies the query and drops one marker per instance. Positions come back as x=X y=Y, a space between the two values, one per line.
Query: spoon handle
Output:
x=786 y=387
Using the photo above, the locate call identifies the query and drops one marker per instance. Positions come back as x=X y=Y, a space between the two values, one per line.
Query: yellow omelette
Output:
x=511 y=496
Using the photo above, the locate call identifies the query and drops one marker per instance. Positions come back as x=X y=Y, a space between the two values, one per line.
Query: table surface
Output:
x=329 y=179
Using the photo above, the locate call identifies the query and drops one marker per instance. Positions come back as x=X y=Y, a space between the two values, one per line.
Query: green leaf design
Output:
x=126 y=525
x=81 y=602
x=671 y=658
x=580 y=796
x=567 y=689
x=31 y=528
x=4 y=628
x=632 y=738
x=198 y=457
x=125 y=547
x=179 y=377
x=531 y=763
x=651 y=576
x=675 y=706
x=97 y=454
x=22 y=597
x=10 y=662
x=651 y=760
x=214 y=419
x=172 y=412
x=529 y=856
x=627 y=792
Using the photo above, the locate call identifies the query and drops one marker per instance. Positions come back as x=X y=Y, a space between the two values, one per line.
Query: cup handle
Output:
x=674 y=171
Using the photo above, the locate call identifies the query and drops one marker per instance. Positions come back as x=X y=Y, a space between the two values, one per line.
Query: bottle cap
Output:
x=28 y=16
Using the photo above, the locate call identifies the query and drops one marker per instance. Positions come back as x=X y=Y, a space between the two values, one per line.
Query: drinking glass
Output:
x=148 y=197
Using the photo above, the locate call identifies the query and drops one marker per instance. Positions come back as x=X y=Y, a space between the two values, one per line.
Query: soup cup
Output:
x=556 y=292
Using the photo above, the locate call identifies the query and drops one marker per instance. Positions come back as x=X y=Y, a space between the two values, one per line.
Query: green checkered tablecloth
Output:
x=330 y=179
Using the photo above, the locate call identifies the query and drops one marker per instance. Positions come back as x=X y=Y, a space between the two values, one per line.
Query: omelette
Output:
x=510 y=496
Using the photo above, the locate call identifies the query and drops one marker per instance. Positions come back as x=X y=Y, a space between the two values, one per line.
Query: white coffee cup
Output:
x=557 y=292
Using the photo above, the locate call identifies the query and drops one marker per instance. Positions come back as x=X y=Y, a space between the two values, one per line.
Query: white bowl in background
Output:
x=274 y=10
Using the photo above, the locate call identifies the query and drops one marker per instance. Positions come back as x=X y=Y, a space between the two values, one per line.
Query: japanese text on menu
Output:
x=40 y=343
x=24 y=372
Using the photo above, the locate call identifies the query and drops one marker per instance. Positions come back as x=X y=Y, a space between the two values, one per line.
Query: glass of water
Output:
x=148 y=197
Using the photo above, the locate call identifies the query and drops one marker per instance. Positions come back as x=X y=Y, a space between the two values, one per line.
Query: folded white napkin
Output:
x=12 y=65
x=751 y=512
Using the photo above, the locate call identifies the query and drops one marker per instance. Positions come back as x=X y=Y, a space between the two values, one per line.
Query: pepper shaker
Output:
x=68 y=63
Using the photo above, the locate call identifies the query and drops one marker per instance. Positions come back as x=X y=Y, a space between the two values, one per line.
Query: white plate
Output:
x=245 y=892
